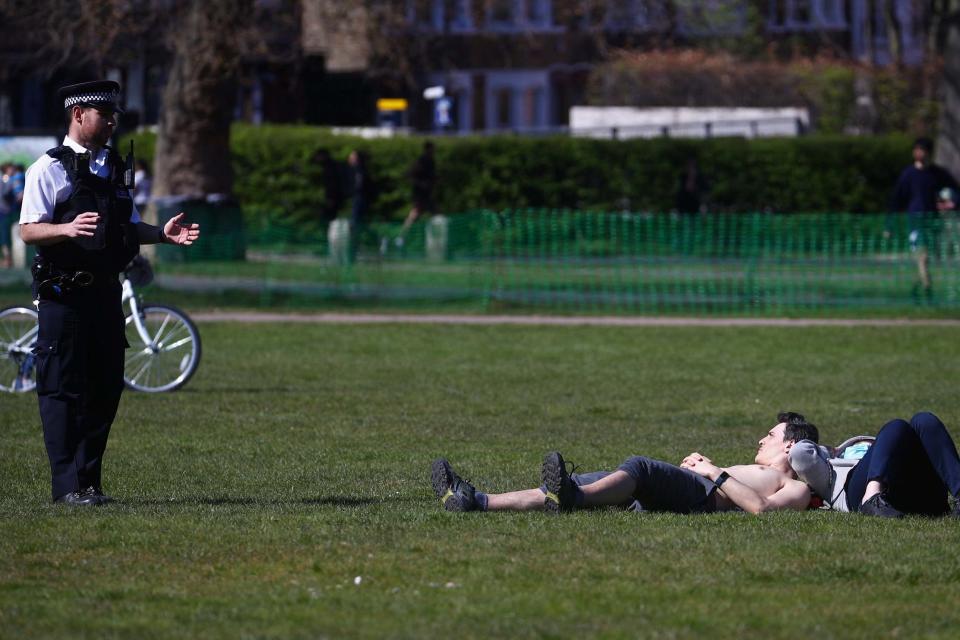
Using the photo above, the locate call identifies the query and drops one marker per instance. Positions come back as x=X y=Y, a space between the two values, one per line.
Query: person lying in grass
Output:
x=910 y=469
x=645 y=484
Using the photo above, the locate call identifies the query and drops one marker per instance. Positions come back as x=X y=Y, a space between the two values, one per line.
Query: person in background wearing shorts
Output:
x=916 y=194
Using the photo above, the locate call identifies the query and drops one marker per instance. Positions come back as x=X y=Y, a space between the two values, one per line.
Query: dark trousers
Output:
x=916 y=461
x=661 y=486
x=79 y=351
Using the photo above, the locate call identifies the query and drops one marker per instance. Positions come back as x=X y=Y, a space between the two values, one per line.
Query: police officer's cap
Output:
x=100 y=93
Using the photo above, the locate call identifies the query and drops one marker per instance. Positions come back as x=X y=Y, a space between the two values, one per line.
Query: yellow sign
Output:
x=391 y=104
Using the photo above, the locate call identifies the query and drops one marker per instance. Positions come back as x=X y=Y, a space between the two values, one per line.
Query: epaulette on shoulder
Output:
x=58 y=153
x=68 y=158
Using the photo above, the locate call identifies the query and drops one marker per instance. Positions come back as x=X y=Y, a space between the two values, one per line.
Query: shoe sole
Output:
x=552 y=474
x=441 y=479
x=83 y=503
x=885 y=510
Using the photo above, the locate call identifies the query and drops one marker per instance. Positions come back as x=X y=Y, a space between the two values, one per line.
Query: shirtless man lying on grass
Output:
x=644 y=484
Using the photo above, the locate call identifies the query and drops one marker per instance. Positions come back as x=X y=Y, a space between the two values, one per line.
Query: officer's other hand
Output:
x=177 y=233
x=83 y=225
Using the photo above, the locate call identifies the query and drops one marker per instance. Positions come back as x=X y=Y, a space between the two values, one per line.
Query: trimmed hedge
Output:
x=274 y=177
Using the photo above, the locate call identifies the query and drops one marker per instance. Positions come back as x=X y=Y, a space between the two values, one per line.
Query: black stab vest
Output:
x=115 y=241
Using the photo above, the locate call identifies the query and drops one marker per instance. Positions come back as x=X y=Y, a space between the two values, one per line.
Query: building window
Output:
x=829 y=13
x=806 y=15
x=712 y=18
x=425 y=14
x=500 y=13
x=620 y=14
x=503 y=98
x=440 y=15
x=532 y=107
x=460 y=15
x=538 y=13
x=518 y=99
x=519 y=14
x=630 y=15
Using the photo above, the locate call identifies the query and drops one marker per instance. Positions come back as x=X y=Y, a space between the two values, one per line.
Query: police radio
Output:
x=128 y=180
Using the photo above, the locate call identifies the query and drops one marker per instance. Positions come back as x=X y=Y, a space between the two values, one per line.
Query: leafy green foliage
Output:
x=275 y=178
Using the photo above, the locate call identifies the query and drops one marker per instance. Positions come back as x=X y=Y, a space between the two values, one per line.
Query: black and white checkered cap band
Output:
x=91 y=98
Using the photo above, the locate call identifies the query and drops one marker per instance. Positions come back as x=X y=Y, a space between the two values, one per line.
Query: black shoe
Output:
x=78 y=499
x=455 y=493
x=97 y=494
x=561 y=490
x=877 y=505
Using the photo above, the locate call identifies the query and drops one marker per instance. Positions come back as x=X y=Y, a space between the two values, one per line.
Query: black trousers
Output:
x=916 y=460
x=661 y=486
x=80 y=358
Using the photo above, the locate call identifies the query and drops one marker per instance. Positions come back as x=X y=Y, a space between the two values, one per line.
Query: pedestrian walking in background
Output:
x=6 y=217
x=916 y=194
x=142 y=184
x=691 y=189
x=423 y=179
x=362 y=191
x=331 y=179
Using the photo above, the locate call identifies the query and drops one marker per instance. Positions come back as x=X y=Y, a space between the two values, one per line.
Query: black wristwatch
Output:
x=723 y=477
x=161 y=236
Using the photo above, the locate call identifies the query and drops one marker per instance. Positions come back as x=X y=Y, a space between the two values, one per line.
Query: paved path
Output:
x=597 y=321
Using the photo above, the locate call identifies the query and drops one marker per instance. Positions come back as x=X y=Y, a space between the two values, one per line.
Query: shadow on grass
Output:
x=322 y=501
x=245 y=390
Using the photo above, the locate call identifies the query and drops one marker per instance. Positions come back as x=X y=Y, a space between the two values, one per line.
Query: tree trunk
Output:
x=193 y=144
x=948 y=134
x=865 y=113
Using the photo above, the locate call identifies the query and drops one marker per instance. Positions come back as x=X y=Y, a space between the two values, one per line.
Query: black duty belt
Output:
x=57 y=284
x=55 y=287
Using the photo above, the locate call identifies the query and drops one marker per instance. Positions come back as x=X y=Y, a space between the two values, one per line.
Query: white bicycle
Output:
x=164 y=343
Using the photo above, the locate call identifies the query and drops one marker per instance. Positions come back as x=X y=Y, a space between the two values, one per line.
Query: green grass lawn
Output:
x=298 y=459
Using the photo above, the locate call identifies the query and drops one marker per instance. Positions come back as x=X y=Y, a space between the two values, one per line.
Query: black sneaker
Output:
x=97 y=495
x=878 y=506
x=77 y=499
x=561 y=491
x=455 y=493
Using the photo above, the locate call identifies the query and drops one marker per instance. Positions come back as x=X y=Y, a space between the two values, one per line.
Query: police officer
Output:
x=78 y=211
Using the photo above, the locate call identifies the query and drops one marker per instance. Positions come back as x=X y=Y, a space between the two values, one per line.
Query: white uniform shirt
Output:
x=47 y=184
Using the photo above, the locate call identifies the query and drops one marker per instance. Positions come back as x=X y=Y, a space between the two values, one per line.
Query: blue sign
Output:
x=443 y=113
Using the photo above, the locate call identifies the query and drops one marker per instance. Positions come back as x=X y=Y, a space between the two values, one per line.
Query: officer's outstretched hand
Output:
x=177 y=233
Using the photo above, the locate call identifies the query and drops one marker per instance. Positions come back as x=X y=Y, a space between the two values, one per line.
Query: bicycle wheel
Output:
x=171 y=355
x=18 y=333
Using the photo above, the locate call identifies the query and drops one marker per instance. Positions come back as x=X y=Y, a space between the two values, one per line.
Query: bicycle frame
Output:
x=130 y=296
x=25 y=344
x=165 y=344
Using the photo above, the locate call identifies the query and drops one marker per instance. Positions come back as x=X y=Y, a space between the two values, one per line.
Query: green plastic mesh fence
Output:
x=604 y=262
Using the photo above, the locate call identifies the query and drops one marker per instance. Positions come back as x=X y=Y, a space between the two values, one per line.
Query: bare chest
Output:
x=763 y=480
